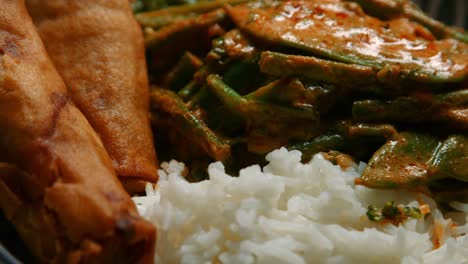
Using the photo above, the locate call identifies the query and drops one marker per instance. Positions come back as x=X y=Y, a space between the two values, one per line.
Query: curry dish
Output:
x=377 y=80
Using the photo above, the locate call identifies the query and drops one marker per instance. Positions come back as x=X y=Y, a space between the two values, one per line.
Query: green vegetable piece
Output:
x=269 y=125
x=456 y=98
x=187 y=9
x=137 y=6
x=308 y=67
x=146 y=5
x=390 y=210
x=183 y=27
x=269 y=92
x=233 y=101
x=401 y=109
x=197 y=94
x=158 y=22
x=374 y=213
x=401 y=163
x=293 y=91
x=320 y=144
x=155 y=4
x=372 y=130
x=249 y=108
x=188 y=91
x=414 y=161
x=242 y=76
x=394 y=8
x=190 y=125
x=436 y=27
x=412 y=212
x=419 y=108
x=202 y=98
x=451 y=159
x=382 y=50
x=183 y=72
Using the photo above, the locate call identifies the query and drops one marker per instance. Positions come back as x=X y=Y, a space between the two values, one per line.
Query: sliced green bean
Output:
x=415 y=160
x=451 y=159
x=419 y=108
x=309 y=67
x=233 y=101
x=319 y=144
x=371 y=130
x=401 y=163
x=158 y=22
x=183 y=71
x=393 y=8
x=269 y=125
x=197 y=8
x=170 y=33
x=188 y=91
x=190 y=125
x=256 y=109
x=268 y=92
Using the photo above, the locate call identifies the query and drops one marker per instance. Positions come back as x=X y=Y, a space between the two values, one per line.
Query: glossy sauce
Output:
x=341 y=31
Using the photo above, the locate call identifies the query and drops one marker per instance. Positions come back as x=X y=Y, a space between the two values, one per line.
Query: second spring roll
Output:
x=57 y=184
x=98 y=49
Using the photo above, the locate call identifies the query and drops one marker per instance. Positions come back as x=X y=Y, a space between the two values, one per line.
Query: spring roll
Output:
x=98 y=49
x=57 y=184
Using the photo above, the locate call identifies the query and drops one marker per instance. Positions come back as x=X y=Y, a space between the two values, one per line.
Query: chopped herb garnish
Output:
x=392 y=212
x=413 y=212
x=374 y=214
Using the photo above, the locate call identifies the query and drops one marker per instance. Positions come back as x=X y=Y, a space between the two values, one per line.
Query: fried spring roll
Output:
x=57 y=184
x=98 y=49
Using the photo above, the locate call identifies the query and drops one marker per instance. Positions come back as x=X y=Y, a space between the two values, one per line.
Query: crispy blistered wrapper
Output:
x=97 y=47
x=57 y=184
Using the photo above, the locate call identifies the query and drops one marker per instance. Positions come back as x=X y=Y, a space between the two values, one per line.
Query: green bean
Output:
x=319 y=144
x=393 y=8
x=414 y=160
x=190 y=125
x=182 y=72
x=199 y=7
x=308 y=67
x=181 y=28
x=420 y=108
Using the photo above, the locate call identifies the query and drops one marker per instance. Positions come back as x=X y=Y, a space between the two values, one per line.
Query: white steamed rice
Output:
x=290 y=212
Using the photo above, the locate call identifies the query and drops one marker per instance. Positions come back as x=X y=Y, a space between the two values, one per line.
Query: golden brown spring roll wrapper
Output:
x=61 y=192
x=97 y=47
